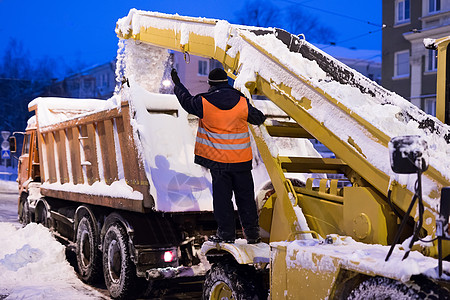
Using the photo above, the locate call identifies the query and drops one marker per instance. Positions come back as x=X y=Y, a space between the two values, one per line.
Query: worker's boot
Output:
x=252 y=235
x=217 y=239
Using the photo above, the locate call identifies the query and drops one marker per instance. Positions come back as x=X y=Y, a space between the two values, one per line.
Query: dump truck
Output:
x=378 y=224
x=118 y=184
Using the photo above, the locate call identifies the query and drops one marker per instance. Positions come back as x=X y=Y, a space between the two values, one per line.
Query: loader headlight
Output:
x=408 y=154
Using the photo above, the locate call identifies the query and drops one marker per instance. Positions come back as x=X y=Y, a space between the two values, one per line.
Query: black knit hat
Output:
x=217 y=76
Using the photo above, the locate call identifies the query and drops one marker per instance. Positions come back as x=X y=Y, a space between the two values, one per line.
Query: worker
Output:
x=223 y=146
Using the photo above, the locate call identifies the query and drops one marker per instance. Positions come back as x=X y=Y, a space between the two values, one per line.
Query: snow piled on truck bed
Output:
x=53 y=110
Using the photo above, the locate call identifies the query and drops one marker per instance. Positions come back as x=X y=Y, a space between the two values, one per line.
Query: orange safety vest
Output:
x=223 y=135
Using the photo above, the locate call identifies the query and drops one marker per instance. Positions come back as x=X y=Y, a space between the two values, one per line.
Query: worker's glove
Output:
x=175 y=78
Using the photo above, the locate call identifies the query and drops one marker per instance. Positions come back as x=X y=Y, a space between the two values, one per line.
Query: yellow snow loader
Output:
x=377 y=223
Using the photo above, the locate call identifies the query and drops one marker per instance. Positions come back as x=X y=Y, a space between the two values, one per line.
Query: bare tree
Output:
x=21 y=80
x=292 y=19
x=258 y=13
x=16 y=61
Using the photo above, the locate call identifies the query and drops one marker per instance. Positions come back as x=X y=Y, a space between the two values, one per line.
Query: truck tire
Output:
x=25 y=214
x=41 y=215
x=88 y=255
x=386 y=288
x=118 y=269
x=229 y=280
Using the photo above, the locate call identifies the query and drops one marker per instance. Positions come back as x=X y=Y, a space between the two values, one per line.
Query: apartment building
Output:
x=97 y=82
x=408 y=68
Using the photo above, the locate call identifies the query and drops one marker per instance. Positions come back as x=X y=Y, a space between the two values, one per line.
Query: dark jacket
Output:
x=224 y=97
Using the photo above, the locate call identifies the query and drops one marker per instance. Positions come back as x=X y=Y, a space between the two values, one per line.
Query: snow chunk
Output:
x=33 y=256
x=429 y=43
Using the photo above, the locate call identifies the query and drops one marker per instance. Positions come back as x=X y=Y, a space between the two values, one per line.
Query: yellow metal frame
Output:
x=442 y=45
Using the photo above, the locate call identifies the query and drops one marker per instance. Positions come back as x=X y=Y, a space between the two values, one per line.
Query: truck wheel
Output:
x=41 y=216
x=88 y=254
x=229 y=280
x=386 y=288
x=25 y=215
x=118 y=269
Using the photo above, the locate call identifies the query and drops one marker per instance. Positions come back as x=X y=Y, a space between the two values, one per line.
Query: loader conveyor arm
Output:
x=342 y=109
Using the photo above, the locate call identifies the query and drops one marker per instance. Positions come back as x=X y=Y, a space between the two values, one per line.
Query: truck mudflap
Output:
x=243 y=253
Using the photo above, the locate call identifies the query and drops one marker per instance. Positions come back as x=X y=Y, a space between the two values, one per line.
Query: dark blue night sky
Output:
x=84 y=30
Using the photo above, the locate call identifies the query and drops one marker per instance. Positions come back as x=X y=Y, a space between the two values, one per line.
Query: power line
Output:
x=15 y=79
x=29 y=80
x=352 y=38
x=332 y=13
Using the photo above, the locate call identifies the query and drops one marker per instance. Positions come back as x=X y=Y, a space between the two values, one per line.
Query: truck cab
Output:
x=28 y=168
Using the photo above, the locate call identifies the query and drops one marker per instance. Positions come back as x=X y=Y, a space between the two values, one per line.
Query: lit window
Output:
x=432 y=60
x=401 y=64
x=402 y=13
x=202 y=67
x=434 y=6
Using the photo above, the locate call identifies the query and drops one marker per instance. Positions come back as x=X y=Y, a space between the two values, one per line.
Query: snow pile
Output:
x=8 y=201
x=8 y=186
x=349 y=254
x=428 y=43
x=33 y=266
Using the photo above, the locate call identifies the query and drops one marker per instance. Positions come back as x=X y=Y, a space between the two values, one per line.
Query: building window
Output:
x=202 y=67
x=432 y=60
x=402 y=12
x=401 y=64
x=214 y=64
x=430 y=106
x=434 y=6
x=105 y=80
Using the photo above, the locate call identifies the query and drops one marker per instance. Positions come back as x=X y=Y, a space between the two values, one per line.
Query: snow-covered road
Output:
x=33 y=264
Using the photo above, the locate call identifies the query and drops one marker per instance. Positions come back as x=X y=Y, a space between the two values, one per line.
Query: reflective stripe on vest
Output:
x=223 y=135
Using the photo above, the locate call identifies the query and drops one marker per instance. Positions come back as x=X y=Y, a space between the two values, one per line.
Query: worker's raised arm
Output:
x=191 y=104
